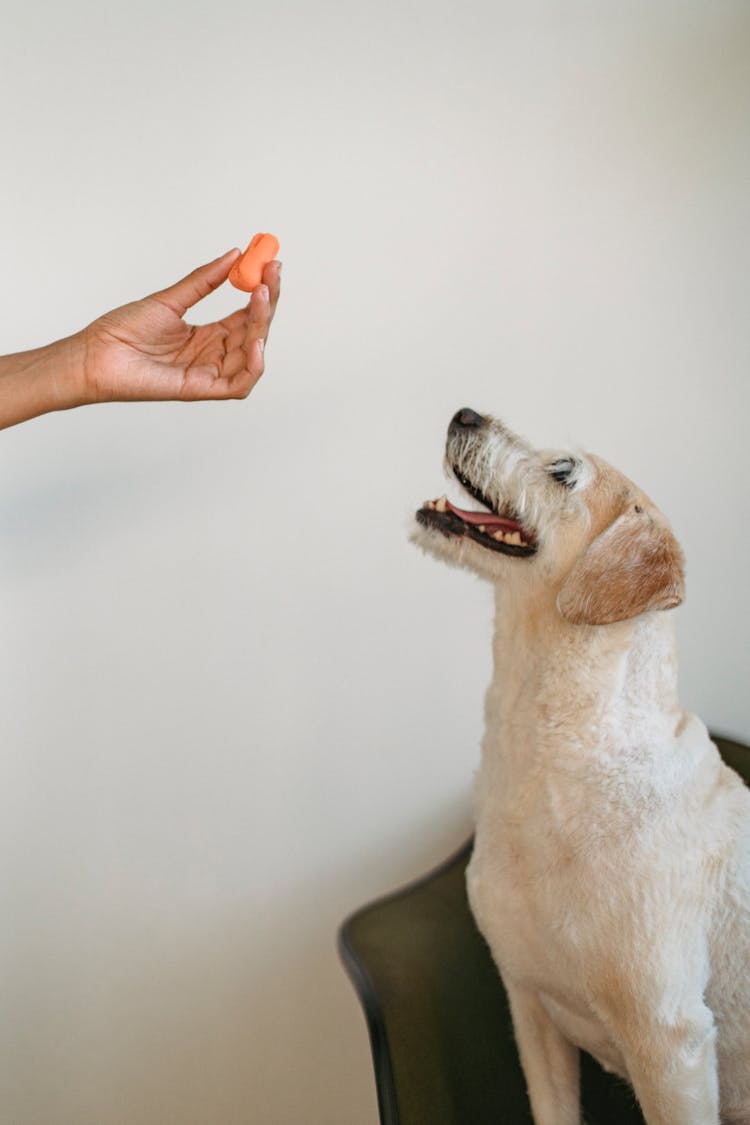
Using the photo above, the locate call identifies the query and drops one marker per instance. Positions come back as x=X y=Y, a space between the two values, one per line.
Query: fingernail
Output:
x=261 y=344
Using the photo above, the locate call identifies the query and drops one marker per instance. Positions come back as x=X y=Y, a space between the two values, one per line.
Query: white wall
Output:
x=235 y=702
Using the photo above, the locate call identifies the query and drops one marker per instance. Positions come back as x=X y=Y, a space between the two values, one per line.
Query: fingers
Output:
x=249 y=344
x=185 y=293
x=239 y=372
x=235 y=374
x=244 y=335
x=272 y=278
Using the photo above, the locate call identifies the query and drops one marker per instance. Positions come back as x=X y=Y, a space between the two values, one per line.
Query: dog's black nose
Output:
x=466 y=419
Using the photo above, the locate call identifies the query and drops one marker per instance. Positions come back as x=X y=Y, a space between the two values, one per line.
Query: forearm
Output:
x=39 y=381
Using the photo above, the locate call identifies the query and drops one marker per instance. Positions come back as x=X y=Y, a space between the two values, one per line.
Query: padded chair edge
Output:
x=365 y=990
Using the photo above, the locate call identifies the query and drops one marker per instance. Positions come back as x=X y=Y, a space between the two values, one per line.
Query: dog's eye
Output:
x=562 y=470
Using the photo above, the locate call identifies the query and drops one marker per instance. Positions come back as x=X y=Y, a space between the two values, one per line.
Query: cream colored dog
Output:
x=611 y=869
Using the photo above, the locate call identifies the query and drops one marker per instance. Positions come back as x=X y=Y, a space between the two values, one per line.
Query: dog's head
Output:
x=566 y=530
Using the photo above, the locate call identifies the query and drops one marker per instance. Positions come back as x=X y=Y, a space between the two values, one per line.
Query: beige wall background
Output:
x=235 y=702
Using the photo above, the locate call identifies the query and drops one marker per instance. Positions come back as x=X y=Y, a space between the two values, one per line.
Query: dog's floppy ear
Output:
x=632 y=567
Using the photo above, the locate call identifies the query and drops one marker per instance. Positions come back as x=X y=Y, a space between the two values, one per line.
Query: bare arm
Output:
x=39 y=381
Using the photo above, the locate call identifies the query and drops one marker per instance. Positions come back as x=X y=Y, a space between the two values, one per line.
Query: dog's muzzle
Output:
x=490 y=528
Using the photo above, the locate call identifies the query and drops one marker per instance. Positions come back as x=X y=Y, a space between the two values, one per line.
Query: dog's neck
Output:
x=572 y=686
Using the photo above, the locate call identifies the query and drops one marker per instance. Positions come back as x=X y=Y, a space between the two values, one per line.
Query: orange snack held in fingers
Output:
x=247 y=271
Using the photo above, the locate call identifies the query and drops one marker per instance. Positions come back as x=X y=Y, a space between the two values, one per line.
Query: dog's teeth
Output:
x=482 y=528
x=441 y=504
x=498 y=535
x=515 y=539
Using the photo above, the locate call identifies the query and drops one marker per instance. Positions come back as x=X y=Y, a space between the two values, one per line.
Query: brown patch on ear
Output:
x=632 y=567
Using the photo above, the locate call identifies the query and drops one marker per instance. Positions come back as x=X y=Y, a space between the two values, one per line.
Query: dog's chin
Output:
x=456 y=550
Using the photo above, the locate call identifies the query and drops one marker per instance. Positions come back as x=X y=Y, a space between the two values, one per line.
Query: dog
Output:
x=610 y=874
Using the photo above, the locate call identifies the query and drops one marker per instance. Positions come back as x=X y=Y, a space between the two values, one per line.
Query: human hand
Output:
x=146 y=351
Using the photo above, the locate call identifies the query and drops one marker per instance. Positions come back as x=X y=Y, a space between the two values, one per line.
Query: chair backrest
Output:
x=437 y=1014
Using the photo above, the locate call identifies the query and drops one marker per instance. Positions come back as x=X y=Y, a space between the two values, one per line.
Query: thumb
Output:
x=184 y=294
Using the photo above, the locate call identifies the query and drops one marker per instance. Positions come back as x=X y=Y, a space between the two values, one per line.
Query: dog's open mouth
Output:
x=488 y=528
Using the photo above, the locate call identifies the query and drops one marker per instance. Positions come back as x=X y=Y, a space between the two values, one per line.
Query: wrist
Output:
x=57 y=371
x=67 y=364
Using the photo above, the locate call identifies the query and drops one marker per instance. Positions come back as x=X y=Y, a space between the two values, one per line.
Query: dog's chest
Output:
x=548 y=860
x=521 y=898
x=524 y=906
x=550 y=852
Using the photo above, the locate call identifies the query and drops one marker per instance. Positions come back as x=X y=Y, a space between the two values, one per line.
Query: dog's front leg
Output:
x=673 y=1070
x=550 y=1062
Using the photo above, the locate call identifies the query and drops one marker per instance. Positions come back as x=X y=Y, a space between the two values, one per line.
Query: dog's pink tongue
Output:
x=486 y=519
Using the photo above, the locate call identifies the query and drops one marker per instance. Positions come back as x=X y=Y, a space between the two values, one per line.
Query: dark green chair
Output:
x=440 y=1029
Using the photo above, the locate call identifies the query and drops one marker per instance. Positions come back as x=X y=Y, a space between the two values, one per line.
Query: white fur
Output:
x=611 y=870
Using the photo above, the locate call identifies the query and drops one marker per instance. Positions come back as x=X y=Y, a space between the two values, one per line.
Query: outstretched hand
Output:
x=146 y=350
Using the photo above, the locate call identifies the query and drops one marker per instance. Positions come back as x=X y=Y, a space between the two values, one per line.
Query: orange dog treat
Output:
x=247 y=271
